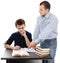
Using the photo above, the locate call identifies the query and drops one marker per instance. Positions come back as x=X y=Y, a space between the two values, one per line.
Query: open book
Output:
x=22 y=52
x=19 y=53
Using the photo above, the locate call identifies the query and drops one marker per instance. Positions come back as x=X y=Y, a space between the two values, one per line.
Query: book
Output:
x=42 y=51
x=20 y=53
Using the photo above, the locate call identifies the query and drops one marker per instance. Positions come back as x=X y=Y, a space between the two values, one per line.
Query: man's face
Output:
x=42 y=10
x=21 y=28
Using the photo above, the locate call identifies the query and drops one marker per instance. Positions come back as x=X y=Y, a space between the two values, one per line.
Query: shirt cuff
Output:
x=38 y=41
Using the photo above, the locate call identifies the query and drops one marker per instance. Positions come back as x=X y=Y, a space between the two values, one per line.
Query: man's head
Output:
x=44 y=8
x=20 y=25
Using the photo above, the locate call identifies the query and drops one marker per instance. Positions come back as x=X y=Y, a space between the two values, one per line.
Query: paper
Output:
x=22 y=52
x=29 y=49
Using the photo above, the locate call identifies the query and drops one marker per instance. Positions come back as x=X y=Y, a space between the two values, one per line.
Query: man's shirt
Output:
x=19 y=39
x=46 y=28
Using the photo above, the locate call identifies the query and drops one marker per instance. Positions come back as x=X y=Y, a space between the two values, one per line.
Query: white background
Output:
x=10 y=10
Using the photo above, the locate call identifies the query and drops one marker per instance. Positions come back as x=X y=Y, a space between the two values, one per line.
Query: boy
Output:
x=21 y=38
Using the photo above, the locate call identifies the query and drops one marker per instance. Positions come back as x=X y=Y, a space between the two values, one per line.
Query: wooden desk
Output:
x=9 y=59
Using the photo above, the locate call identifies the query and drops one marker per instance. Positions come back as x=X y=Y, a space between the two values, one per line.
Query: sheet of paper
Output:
x=29 y=49
x=25 y=49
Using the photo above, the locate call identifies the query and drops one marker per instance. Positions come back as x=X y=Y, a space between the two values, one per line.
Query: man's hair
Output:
x=19 y=22
x=46 y=4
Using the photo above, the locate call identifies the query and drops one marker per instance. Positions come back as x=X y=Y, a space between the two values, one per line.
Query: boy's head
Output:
x=20 y=25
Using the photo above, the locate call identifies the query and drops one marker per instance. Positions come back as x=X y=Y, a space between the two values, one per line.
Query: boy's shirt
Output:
x=19 y=39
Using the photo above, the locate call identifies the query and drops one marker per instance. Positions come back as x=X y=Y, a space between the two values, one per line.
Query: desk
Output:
x=8 y=57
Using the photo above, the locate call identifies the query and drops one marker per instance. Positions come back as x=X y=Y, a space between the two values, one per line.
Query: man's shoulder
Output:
x=53 y=16
x=39 y=17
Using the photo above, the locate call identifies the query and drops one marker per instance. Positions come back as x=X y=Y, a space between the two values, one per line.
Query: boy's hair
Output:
x=46 y=4
x=19 y=22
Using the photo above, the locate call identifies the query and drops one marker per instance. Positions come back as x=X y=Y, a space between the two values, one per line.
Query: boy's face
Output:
x=42 y=10
x=21 y=28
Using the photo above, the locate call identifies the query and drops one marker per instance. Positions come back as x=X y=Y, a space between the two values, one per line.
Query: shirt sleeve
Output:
x=36 y=31
x=10 y=40
x=47 y=30
x=30 y=37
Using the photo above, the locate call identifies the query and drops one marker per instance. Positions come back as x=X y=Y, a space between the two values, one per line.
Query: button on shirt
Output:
x=19 y=39
x=46 y=28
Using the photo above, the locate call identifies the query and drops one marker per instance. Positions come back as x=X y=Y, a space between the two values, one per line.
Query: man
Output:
x=21 y=38
x=46 y=30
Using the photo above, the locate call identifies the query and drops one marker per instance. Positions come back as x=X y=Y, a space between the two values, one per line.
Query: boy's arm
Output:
x=12 y=47
x=8 y=46
x=26 y=39
x=9 y=42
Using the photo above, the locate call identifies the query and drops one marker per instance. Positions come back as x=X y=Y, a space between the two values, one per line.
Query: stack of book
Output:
x=42 y=51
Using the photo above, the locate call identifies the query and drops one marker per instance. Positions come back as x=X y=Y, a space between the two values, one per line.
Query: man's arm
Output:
x=47 y=30
x=45 y=33
x=37 y=30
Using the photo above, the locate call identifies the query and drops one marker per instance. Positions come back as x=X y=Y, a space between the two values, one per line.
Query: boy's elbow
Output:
x=6 y=45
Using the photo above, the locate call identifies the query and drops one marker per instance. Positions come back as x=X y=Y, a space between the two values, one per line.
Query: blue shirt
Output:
x=46 y=28
x=19 y=39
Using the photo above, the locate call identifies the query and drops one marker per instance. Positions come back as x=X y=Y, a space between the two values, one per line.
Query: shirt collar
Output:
x=47 y=15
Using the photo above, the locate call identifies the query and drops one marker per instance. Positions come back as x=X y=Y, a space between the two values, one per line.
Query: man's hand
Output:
x=32 y=44
x=38 y=49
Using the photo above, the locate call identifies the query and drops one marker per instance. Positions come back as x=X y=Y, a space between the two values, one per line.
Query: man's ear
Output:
x=47 y=10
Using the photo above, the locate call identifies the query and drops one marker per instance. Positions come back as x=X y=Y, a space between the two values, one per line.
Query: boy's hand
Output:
x=16 y=47
x=24 y=34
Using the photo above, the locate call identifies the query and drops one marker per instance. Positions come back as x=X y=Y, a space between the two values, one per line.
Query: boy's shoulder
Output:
x=28 y=33
x=15 y=33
